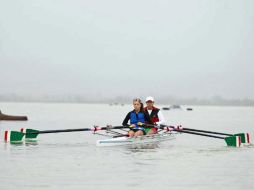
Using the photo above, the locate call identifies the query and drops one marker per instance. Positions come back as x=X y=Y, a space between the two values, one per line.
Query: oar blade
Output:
x=13 y=136
x=233 y=141
x=30 y=134
x=245 y=138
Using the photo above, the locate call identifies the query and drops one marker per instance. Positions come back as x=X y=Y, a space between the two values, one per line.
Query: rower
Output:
x=137 y=119
x=155 y=115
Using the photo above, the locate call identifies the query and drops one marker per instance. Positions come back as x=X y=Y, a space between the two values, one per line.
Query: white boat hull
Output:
x=146 y=139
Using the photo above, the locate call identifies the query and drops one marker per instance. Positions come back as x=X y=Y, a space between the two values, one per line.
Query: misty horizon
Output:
x=165 y=100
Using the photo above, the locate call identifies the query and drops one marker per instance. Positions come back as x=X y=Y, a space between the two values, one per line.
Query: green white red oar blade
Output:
x=233 y=141
x=13 y=136
x=245 y=138
x=30 y=134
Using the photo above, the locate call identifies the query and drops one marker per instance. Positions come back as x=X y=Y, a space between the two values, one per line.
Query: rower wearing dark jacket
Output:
x=155 y=115
x=137 y=119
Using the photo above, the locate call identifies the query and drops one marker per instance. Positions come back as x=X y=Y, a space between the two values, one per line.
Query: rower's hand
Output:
x=132 y=126
x=140 y=124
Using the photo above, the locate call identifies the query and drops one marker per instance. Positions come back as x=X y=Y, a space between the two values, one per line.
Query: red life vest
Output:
x=154 y=114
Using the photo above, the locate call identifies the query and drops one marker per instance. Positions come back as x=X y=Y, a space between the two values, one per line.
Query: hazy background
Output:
x=105 y=49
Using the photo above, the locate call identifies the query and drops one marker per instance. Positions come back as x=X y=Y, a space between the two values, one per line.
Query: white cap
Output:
x=149 y=98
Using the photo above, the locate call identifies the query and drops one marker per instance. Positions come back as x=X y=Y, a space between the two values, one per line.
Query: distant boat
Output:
x=175 y=107
x=189 y=109
x=116 y=104
x=12 y=117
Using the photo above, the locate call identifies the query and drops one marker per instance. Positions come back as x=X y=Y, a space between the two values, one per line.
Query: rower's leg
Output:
x=139 y=133
x=131 y=133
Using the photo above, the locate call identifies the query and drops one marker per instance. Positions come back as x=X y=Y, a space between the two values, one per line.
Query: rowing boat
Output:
x=146 y=139
x=117 y=135
x=12 y=117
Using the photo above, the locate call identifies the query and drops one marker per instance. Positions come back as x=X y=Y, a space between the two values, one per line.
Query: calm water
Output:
x=72 y=161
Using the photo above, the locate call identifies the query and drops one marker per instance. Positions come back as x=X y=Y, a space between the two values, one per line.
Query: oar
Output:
x=189 y=129
x=204 y=131
x=201 y=134
x=234 y=141
x=31 y=134
x=231 y=140
x=95 y=128
x=245 y=137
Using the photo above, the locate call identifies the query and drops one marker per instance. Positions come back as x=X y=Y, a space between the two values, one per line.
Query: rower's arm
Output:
x=161 y=119
x=127 y=118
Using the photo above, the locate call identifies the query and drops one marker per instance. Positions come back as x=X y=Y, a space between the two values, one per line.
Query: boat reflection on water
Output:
x=142 y=147
x=31 y=143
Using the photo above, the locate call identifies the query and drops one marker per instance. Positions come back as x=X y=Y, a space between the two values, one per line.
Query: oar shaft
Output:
x=198 y=130
x=189 y=132
x=62 y=131
x=204 y=131
x=200 y=134
x=76 y=130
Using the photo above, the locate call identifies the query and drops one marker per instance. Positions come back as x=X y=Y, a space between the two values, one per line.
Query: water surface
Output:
x=72 y=160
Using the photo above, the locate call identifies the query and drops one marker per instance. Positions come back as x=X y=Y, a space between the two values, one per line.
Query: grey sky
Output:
x=183 y=48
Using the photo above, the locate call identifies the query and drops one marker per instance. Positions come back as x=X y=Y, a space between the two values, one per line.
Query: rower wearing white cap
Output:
x=155 y=115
